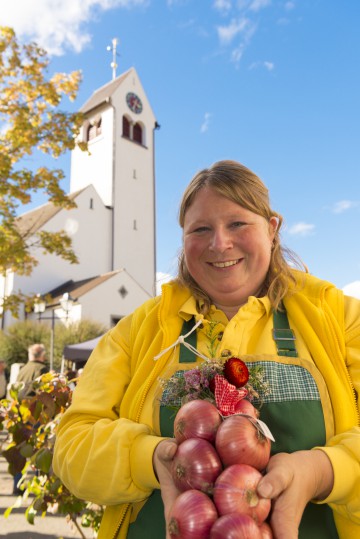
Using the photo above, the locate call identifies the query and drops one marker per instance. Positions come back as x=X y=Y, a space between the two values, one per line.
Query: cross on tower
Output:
x=114 y=53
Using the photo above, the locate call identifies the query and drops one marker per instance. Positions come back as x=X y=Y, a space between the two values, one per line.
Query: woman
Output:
x=114 y=445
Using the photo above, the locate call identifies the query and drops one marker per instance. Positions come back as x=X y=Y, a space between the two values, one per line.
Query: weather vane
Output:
x=114 y=53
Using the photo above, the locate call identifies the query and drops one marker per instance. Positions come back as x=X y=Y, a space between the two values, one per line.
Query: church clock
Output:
x=134 y=102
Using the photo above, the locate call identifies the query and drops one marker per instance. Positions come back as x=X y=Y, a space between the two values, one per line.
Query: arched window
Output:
x=94 y=129
x=126 y=127
x=137 y=133
x=91 y=132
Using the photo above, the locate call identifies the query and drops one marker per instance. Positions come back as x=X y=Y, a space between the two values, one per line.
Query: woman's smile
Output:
x=224 y=264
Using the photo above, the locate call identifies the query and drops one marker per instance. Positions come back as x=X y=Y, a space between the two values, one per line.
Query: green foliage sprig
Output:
x=31 y=424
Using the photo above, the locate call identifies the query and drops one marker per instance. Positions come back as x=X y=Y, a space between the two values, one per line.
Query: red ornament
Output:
x=236 y=372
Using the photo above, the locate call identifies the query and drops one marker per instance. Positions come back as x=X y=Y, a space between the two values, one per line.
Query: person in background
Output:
x=236 y=284
x=3 y=379
x=35 y=367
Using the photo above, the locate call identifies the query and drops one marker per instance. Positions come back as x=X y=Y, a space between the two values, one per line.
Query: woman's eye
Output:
x=237 y=224
x=201 y=229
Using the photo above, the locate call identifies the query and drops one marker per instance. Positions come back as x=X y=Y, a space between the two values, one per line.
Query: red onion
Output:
x=235 y=526
x=196 y=465
x=266 y=532
x=245 y=407
x=197 y=419
x=235 y=492
x=238 y=441
x=192 y=516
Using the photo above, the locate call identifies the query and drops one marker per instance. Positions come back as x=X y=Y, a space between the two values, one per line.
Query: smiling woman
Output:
x=232 y=238
x=227 y=249
x=237 y=295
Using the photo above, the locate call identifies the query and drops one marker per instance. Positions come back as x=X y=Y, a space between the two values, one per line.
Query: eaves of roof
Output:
x=30 y=222
x=76 y=289
x=103 y=94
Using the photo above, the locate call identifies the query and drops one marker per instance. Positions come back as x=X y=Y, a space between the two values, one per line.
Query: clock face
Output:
x=134 y=102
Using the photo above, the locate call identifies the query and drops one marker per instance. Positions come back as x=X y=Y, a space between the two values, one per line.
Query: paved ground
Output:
x=15 y=526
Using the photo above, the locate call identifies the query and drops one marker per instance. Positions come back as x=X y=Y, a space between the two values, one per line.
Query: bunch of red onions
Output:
x=217 y=467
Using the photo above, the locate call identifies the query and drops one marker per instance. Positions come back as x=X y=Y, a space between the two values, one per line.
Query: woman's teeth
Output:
x=225 y=264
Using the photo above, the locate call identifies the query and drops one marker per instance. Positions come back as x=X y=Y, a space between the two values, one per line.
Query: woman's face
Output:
x=227 y=248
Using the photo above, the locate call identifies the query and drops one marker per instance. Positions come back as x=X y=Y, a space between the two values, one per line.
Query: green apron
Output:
x=293 y=413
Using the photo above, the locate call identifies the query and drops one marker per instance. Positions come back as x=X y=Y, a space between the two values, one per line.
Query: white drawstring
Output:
x=181 y=340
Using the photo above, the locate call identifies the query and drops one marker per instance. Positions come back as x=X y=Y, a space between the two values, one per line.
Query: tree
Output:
x=31 y=121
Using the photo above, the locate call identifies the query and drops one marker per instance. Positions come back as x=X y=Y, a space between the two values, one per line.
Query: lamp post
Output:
x=66 y=303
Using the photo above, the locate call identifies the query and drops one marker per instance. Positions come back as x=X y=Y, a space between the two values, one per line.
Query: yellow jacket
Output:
x=100 y=440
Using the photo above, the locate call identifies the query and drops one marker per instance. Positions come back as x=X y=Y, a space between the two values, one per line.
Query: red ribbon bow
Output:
x=227 y=395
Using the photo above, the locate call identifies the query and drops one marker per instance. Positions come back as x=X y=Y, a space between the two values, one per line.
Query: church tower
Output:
x=119 y=128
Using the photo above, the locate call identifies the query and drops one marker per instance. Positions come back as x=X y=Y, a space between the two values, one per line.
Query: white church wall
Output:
x=106 y=302
x=89 y=169
x=134 y=244
x=89 y=227
x=134 y=222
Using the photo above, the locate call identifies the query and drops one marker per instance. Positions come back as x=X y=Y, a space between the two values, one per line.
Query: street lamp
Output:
x=66 y=303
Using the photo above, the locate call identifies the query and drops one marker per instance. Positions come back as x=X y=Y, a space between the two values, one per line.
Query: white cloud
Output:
x=267 y=65
x=58 y=25
x=237 y=53
x=289 y=6
x=205 y=125
x=352 y=289
x=223 y=5
x=256 y=5
x=243 y=27
x=302 y=229
x=344 y=205
x=228 y=33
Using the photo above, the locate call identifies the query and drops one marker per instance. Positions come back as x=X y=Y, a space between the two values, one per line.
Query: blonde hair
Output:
x=239 y=184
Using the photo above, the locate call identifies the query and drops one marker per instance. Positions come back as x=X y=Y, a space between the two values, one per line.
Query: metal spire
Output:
x=113 y=63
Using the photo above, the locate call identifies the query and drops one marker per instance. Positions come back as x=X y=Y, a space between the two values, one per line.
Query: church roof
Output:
x=102 y=95
x=76 y=289
x=30 y=222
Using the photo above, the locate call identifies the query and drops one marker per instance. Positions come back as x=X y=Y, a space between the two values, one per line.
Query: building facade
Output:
x=113 y=226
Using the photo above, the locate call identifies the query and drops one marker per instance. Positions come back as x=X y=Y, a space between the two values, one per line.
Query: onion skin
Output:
x=196 y=465
x=245 y=407
x=238 y=441
x=192 y=516
x=197 y=419
x=266 y=532
x=235 y=526
x=235 y=492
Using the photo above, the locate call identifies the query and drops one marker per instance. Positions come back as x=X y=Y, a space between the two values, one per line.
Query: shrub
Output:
x=31 y=425
x=16 y=339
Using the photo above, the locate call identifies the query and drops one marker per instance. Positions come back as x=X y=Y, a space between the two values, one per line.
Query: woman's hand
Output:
x=291 y=481
x=162 y=460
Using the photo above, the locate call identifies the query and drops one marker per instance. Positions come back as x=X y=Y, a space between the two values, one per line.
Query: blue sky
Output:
x=273 y=84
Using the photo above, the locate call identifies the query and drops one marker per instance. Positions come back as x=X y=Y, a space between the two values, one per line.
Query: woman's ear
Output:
x=273 y=225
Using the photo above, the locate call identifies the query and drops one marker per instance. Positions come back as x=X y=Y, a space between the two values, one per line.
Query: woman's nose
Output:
x=220 y=241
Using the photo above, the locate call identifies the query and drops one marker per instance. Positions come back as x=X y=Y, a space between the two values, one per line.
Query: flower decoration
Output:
x=223 y=383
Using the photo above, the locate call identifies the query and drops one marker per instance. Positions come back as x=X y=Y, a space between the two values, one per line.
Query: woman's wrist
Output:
x=323 y=474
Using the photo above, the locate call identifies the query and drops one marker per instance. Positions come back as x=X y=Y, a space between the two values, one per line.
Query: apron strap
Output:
x=185 y=355
x=283 y=335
